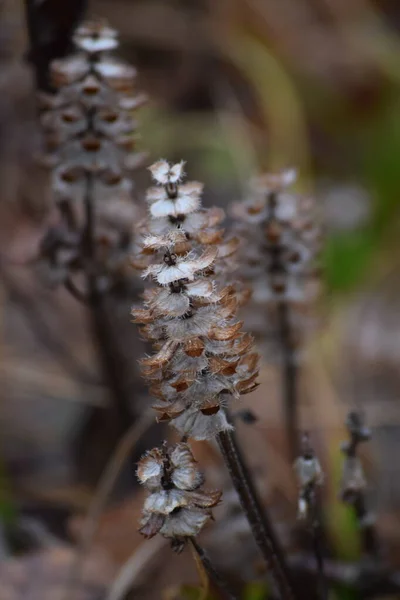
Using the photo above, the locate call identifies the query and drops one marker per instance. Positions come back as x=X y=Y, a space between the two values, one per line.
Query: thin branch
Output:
x=50 y=26
x=310 y=478
x=354 y=483
x=43 y=330
x=76 y=292
x=289 y=379
x=135 y=569
x=259 y=522
x=102 y=493
x=211 y=570
x=108 y=351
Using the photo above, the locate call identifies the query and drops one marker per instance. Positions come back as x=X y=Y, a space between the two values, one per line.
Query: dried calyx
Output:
x=90 y=146
x=353 y=481
x=280 y=250
x=202 y=357
x=177 y=507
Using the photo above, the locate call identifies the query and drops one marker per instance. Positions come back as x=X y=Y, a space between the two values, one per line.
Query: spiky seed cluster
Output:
x=90 y=142
x=176 y=507
x=281 y=245
x=202 y=357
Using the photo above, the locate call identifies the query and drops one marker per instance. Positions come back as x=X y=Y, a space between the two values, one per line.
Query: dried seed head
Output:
x=89 y=131
x=278 y=257
x=202 y=358
x=177 y=506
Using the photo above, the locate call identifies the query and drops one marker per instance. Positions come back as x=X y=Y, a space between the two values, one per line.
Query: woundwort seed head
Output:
x=202 y=358
x=278 y=258
x=90 y=139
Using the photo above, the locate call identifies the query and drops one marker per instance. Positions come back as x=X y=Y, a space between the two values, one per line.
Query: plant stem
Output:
x=369 y=535
x=359 y=434
x=50 y=26
x=289 y=381
x=108 y=351
x=259 y=522
x=317 y=536
x=211 y=570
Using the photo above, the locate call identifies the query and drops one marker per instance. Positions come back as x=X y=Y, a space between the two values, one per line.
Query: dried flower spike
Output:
x=177 y=506
x=202 y=357
x=90 y=138
x=280 y=250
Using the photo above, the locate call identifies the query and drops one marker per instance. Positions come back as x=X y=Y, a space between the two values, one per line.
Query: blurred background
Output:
x=235 y=87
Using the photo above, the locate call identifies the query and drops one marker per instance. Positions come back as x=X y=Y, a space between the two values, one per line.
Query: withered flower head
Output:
x=202 y=358
x=90 y=138
x=176 y=507
x=278 y=258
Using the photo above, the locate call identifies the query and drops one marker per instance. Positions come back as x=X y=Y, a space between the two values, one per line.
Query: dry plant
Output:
x=202 y=358
x=90 y=148
x=203 y=361
x=278 y=261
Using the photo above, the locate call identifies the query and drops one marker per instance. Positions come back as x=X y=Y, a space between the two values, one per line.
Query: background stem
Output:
x=256 y=515
x=211 y=571
x=50 y=26
x=289 y=381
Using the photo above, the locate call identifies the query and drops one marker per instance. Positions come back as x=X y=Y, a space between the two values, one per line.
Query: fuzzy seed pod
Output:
x=90 y=138
x=279 y=254
x=202 y=358
x=176 y=507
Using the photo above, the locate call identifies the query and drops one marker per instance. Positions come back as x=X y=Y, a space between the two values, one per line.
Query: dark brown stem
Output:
x=259 y=522
x=109 y=354
x=212 y=573
x=369 y=535
x=289 y=380
x=50 y=28
x=75 y=291
x=318 y=546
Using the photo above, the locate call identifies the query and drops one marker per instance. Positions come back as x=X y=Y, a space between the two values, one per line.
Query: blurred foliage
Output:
x=189 y=592
x=341 y=521
x=255 y=590
x=8 y=513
